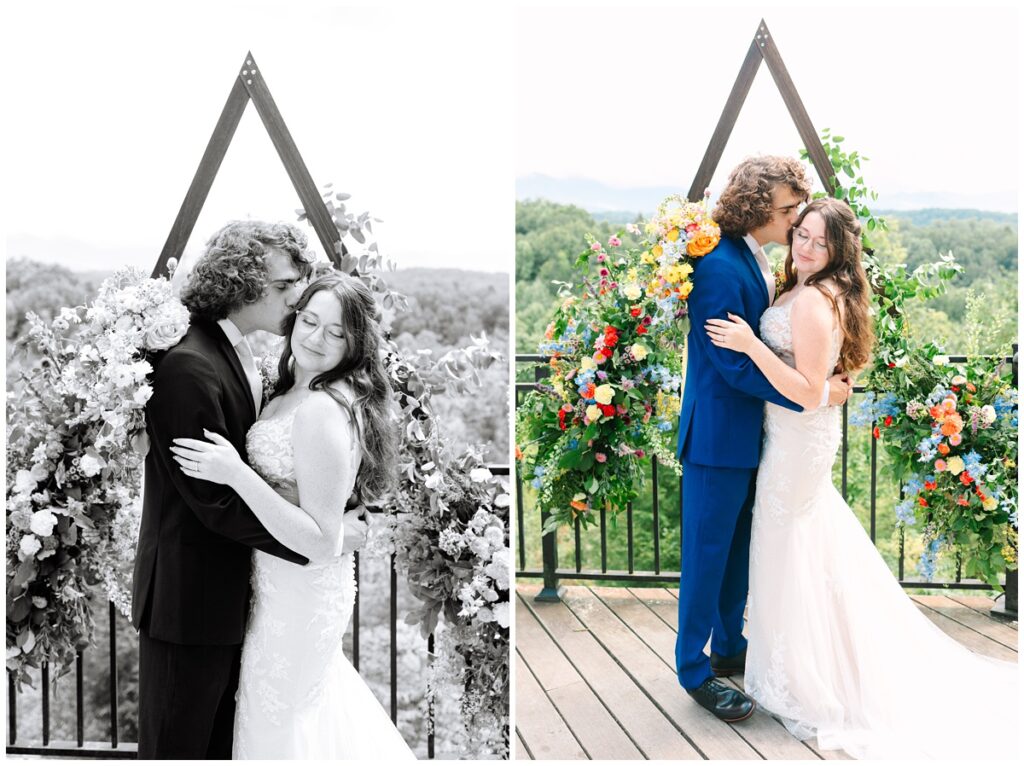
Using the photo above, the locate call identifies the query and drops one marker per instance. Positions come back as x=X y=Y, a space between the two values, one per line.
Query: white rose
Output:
x=43 y=522
x=631 y=291
x=498 y=569
x=988 y=412
x=90 y=465
x=433 y=481
x=501 y=614
x=165 y=333
x=24 y=482
x=940 y=360
x=480 y=474
x=30 y=545
x=142 y=394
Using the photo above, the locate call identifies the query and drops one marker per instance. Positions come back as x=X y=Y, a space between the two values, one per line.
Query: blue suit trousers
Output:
x=717 y=513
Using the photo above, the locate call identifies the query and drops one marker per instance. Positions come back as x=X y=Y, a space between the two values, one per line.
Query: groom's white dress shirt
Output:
x=244 y=352
x=766 y=271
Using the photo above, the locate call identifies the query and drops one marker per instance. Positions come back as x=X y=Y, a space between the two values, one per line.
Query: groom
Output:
x=720 y=428
x=191 y=584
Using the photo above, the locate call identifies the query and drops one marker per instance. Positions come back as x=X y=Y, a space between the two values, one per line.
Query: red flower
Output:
x=888 y=420
x=892 y=364
x=955 y=389
x=641 y=330
x=923 y=502
x=634 y=312
x=875 y=432
x=930 y=485
x=962 y=501
x=965 y=479
x=608 y=410
x=561 y=419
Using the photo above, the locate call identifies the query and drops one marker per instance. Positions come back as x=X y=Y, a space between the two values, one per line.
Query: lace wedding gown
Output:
x=836 y=649
x=298 y=695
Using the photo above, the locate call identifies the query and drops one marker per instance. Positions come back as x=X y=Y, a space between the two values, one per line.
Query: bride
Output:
x=836 y=649
x=324 y=434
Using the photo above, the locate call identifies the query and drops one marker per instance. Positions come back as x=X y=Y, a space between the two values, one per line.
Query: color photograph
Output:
x=766 y=383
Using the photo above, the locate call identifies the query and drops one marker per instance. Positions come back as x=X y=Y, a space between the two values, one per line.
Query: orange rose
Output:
x=943 y=449
x=953 y=424
x=702 y=244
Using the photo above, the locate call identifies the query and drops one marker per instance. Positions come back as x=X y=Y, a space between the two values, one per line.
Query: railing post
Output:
x=549 y=542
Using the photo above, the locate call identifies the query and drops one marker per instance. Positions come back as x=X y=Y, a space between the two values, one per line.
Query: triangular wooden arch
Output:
x=250 y=84
x=762 y=48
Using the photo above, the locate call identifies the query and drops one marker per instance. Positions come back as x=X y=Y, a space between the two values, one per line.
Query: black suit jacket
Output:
x=192 y=564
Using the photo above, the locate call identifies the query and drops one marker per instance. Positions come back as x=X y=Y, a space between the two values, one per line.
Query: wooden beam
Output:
x=726 y=122
x=796 y=108
x=252 y=80
x=195 y=198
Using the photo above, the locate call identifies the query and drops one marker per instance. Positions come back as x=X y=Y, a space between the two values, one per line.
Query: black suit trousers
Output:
x=186 y=699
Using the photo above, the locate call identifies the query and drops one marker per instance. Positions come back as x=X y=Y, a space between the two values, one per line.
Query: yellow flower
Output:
x=656 y=251
x=593 y=412
x=646 y=257
x=673 y=235
x=586 y=363
x=684 y=289
x=603 y=395
x=638 y=351
x=990 y=504
x=955 y=465
x=702 y=244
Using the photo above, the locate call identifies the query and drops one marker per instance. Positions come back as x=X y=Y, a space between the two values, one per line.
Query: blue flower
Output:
x=574 y=443
x=539 y=470
x=913 y=486
x=536 y=483
x=973 y=465
x=905 y=512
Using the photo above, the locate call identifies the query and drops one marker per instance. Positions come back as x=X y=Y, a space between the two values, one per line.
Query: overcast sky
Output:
x=630 y=97
x=108 y=109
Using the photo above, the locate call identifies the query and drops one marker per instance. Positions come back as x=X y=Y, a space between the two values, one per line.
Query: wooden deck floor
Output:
x=595 y=679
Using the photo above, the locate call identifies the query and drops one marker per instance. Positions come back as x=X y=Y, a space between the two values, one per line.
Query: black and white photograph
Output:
x=766 y=375
x=258 y=262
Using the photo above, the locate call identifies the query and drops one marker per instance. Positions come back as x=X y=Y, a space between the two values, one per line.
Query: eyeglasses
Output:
x=802 y=236
x=333 y=333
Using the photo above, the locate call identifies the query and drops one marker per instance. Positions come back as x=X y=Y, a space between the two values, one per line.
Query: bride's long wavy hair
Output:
x=844 y=268
x=363 y=369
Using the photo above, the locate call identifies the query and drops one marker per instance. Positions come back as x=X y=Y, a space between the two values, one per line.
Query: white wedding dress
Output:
x=298 y=695
x=836 y=649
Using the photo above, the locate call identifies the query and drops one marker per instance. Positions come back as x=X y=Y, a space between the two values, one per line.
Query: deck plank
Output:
x=598 y=733
x=713 y=738
x=649 y=729
x=520 y=751
x=954 y=608
x=970 y=638
x=538 y=722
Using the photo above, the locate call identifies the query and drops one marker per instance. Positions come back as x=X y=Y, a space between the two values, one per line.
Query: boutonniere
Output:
x=267 y=368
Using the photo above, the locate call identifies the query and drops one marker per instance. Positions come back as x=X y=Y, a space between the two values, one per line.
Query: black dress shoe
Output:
x=725 y=702
x=727 y=666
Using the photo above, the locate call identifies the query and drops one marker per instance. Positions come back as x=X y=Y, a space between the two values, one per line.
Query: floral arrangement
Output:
x=73 y=472
x=447 y=526
x=950 y=431
x=612 y=397
x=951 y=435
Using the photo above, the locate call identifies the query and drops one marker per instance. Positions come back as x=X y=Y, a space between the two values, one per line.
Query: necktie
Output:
x=249 y=366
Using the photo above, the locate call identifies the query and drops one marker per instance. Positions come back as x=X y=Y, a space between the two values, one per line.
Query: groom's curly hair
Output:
x=746 y=202
x=232 y=272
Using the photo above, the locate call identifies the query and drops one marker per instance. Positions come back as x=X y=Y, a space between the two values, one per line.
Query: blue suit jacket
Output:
x=723 y=401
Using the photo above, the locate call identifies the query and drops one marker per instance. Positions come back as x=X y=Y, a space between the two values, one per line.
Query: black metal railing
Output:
x=551 y=573
x=113 y=747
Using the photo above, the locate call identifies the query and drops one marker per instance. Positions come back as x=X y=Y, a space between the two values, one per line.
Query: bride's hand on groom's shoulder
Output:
x=734 y=334
x=215 y=460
